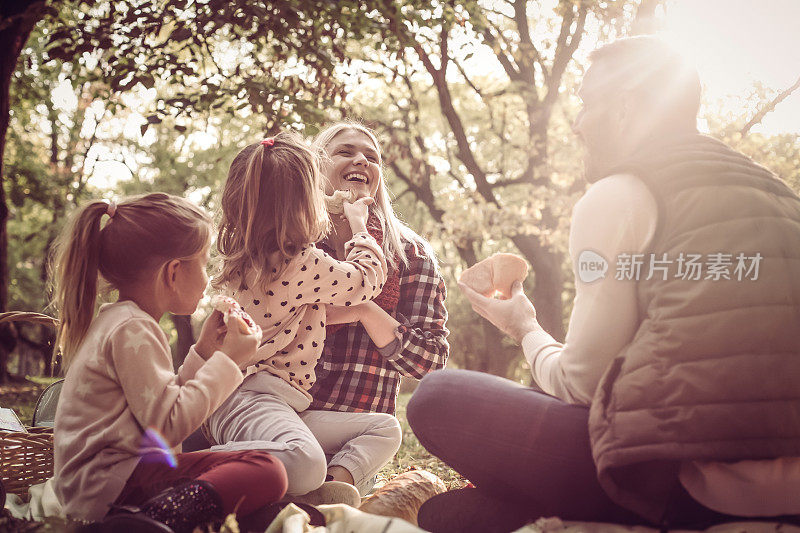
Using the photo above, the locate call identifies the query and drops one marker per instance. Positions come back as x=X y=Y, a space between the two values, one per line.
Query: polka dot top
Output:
x=291 y=312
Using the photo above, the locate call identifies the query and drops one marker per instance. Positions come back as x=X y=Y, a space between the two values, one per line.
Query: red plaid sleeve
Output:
x=423 y=343
x=352 y=375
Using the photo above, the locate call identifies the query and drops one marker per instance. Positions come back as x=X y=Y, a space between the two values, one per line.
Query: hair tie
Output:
x=111 y=209
x=269 y=141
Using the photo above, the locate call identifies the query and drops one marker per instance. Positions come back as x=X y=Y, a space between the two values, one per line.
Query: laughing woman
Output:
x=402 y=331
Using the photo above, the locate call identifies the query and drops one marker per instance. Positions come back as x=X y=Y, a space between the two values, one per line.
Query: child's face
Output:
x=191 y=281
x=355 y=164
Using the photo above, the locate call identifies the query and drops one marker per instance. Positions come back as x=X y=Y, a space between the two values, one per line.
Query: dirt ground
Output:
x=21 y=396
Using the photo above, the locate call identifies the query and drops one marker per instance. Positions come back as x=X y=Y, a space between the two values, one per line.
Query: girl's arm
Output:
x=141 y=364
x=346 y=283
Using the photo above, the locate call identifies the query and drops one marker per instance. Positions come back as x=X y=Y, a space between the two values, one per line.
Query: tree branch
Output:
x=405 y=192
x=566 y=45
x=758 y=117
x=645 y=21
x=526 y=49
x=463 y=72
x=465 y=153
x=499 y=51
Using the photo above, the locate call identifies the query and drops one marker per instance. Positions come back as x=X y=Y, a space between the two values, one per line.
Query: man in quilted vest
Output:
x=675 y=399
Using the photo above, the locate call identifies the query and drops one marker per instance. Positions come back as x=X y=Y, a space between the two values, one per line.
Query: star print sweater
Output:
x=291 y=310
x=119 y=385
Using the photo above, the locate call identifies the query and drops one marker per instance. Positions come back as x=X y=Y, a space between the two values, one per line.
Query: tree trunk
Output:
x=22 y=16
x=645 y=22
x=548 y=284
x=183 y=325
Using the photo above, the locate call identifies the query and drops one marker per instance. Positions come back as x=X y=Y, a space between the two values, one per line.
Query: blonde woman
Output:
x=401 y=332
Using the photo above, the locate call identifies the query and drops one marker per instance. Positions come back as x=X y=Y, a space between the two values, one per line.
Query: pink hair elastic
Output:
x=111 y=209
x=269 y=141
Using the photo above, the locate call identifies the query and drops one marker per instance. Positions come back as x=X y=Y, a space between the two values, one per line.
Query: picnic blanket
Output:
x=340 y=519
x=41 y=504
x=345 y=519
x=556 y=525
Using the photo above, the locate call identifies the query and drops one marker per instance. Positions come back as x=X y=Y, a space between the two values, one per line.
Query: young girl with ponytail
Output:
x=122 y=408
x=272 y=214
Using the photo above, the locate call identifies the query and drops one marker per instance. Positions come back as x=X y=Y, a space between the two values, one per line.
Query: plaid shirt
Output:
x=352 y=375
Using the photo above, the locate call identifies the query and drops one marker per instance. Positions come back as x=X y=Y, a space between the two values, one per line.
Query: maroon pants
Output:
x=245 y=480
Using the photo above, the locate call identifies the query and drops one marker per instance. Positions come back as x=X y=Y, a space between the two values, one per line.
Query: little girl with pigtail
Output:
x=122 y=407
x=272 y=214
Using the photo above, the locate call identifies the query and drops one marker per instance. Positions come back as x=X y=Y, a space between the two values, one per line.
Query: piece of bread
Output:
x=478 y=277
x=335 y=202
x=404 y=495
x=495 y=274
x=508 y=268
x=231 y=310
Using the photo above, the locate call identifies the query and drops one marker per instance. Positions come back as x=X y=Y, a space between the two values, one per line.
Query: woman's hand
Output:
x=357 y=213
x=379 y=324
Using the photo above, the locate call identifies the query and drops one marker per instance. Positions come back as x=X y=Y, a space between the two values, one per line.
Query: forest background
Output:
x=473 y=102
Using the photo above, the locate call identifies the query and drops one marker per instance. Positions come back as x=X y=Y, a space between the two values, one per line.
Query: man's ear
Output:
x=171 y=273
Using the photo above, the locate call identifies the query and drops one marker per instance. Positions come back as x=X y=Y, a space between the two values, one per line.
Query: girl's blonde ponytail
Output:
x=76 y=268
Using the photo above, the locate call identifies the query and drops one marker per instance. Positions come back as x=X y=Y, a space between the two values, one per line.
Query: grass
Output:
x=22 y=396
x=411 y=456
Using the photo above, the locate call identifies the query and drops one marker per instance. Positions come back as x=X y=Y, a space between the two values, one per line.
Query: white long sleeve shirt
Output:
x=121 y=384
x=618 y=215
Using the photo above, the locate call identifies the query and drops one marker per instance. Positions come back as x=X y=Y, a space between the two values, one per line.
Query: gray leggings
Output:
x=360 y=442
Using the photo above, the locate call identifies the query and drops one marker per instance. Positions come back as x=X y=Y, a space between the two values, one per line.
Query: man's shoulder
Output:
x=623 y=189
x=616 y=184
x=617 y=213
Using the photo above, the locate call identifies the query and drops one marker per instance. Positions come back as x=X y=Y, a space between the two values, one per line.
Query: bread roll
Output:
x=478 y=277
x=495 y=274
x=507 y=268
x=404 y=495
x=335 y=202
x=231 y=310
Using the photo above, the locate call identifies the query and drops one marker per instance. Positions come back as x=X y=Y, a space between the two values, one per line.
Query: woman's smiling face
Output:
x=355 y=164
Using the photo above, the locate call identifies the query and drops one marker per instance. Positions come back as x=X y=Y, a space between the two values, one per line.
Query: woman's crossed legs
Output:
x=525 y=449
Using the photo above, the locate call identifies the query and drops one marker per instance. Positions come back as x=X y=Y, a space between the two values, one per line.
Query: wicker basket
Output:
x=24 y=316
x=25 y=459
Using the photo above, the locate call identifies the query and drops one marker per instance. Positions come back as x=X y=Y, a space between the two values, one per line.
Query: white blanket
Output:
x=556 y=525
x=340 y=519
x=41 y=504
